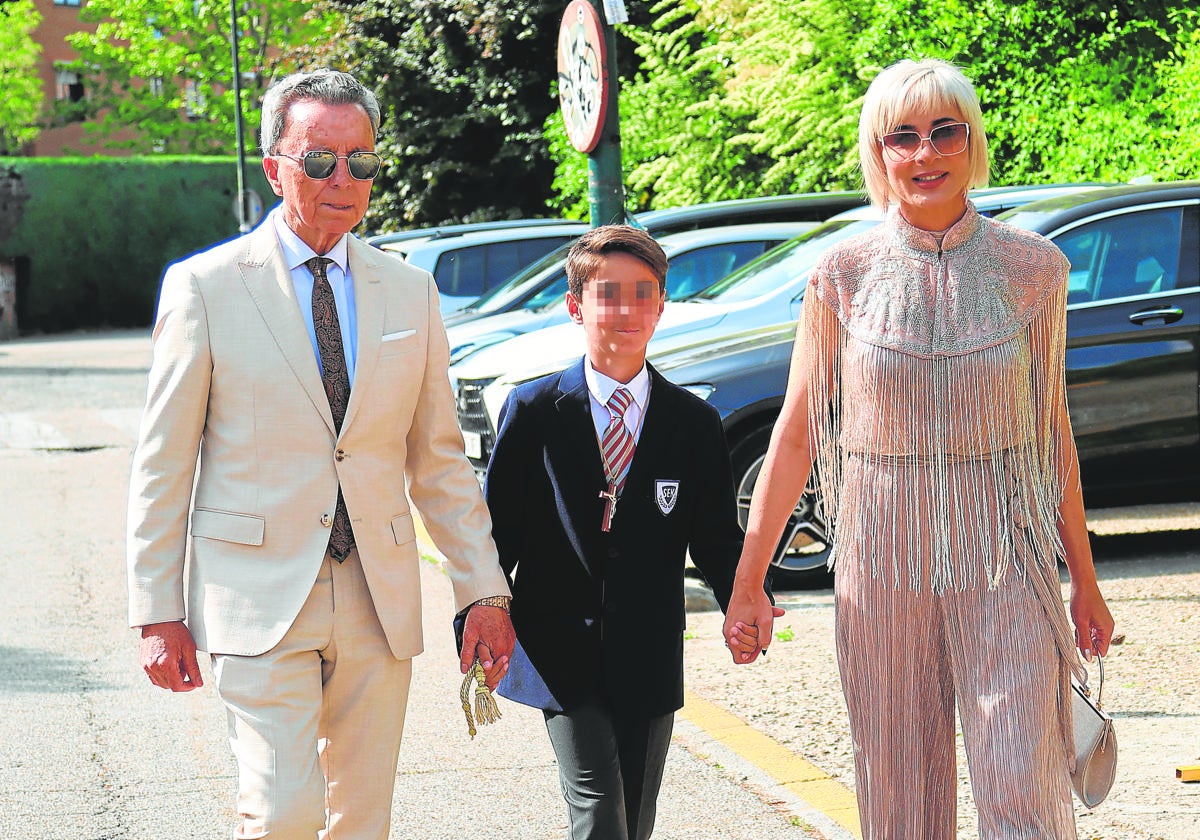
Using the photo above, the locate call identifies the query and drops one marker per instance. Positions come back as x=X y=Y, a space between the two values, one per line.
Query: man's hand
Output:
x=168 y=656
x=489 y=635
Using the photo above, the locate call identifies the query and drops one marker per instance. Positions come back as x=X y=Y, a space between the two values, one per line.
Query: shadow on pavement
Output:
x=37 y=671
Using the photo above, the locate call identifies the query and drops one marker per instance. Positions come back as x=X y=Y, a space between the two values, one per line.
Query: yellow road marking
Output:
x=798 y=776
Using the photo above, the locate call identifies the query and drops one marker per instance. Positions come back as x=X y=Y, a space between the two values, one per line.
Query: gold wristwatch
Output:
x=501 y=601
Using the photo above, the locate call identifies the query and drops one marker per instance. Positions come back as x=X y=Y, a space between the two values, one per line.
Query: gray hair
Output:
x=331 y=87
x=907 y=84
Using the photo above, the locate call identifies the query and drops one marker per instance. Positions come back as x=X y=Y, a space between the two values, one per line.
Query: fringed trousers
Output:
x=906 y=658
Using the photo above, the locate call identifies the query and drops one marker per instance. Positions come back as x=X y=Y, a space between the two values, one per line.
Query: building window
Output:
x=194 y=103
x=155 y=85
x=68 y=87
x=67 y=2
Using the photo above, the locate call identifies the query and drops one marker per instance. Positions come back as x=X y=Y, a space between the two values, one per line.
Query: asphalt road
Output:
x=90 y=751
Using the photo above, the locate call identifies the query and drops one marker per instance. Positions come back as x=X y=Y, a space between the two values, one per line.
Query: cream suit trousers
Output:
x=315 y=722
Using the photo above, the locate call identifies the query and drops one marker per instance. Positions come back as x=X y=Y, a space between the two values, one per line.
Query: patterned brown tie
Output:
x=337 y=386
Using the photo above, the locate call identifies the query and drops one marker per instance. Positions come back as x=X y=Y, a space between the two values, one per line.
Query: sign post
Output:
x=243 y=212
x=587 y=93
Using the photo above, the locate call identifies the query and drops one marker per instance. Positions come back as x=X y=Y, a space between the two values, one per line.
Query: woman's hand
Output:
x=1093 y=622
x=748 y=623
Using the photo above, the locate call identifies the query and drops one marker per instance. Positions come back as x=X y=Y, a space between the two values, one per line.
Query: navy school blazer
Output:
x=600 y=616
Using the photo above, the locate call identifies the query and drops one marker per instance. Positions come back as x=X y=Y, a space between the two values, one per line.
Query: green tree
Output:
x=465 y=88
x=1074 y=90
x=676 y=122
x=1069 y=89
x=1178 y=140
x=165 y=68
x=21 y=105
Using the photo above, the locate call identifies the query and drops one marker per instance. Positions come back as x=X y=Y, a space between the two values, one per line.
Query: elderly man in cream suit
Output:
x=269 y=522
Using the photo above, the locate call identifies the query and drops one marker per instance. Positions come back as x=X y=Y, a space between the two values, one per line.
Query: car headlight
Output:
x=494 y=397
x=703 y=391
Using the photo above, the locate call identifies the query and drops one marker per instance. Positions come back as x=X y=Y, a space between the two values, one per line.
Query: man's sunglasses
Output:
x=948 y=139
x=363 y=166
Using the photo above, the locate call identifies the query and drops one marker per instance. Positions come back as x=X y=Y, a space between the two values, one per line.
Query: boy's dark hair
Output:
x=583 y=260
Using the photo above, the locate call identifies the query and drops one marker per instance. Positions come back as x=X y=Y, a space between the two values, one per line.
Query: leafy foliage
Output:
x=1178 y=141
x=678 y=129
x=1068 y=89
x=771 y=90
x=21 y=104
x=465 y=88
x=96 y=233
x=166 y=66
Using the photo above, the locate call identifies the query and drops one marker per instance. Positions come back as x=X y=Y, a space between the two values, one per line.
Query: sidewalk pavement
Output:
x=724 y=781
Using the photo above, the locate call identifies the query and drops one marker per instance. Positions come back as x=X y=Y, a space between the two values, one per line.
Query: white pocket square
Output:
x=395 y=336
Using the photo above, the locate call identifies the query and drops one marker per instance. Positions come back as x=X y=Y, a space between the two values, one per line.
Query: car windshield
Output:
x=521 y=284
x=552 y=294
x=780 y=266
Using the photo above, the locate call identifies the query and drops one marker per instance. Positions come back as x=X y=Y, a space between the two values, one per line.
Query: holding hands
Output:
x=749 y=622
x=489 y=635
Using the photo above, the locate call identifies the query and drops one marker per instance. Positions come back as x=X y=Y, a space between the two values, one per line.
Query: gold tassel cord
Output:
x=486 y=710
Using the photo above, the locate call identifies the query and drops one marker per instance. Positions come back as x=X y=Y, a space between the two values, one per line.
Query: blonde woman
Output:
x=926 y=402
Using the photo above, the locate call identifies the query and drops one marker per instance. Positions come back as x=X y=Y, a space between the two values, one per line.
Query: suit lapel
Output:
x=579 y=470
x=365 y=273
x=269 y=283
x=575 y=410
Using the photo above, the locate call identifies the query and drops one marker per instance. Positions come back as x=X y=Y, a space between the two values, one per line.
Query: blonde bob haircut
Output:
x=907 y=86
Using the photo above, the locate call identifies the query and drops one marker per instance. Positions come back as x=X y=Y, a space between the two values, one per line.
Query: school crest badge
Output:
x=666 y=493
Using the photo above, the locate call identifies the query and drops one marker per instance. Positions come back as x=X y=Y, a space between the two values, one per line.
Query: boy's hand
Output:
x=749 y=622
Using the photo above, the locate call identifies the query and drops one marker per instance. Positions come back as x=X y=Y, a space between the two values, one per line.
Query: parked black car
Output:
x=1133 y=360
x=1133 y=356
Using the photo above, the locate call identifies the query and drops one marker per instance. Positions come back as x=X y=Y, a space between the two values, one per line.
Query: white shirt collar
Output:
x=601 y=387
x=297 y=252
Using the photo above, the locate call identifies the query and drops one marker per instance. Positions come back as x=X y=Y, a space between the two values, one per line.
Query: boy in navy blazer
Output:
x=603 y=478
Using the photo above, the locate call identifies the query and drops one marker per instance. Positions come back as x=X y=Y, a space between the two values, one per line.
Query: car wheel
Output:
x=801 y=558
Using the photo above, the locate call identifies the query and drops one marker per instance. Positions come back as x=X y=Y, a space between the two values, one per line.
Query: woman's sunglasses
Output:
x=948 y=139
x=363 y=166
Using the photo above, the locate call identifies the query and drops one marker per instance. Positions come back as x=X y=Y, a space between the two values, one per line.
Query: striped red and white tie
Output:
x=616 y=447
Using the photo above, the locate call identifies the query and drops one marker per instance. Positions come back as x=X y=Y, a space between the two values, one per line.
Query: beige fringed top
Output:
x=937 y=399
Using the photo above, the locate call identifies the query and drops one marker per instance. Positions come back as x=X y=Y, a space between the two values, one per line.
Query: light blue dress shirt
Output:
x=296 y=253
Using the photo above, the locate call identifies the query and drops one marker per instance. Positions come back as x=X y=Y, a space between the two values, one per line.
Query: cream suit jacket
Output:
x=237 y=467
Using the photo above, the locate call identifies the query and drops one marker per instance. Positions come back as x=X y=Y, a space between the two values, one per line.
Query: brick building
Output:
x=60 y=18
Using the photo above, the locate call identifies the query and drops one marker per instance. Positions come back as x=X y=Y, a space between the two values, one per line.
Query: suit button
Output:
x=340 y=455
x=613 y=553
x=326 y=520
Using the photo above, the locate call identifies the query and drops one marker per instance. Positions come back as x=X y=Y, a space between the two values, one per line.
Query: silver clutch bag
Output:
x=1095 y=744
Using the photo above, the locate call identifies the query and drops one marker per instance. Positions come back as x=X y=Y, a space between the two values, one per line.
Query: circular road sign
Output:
x=582 y=75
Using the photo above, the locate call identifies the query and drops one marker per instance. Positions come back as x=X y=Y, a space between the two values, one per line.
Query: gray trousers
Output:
x=610 y=769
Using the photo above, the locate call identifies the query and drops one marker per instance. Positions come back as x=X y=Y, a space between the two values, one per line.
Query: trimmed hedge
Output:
x=92 y=236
